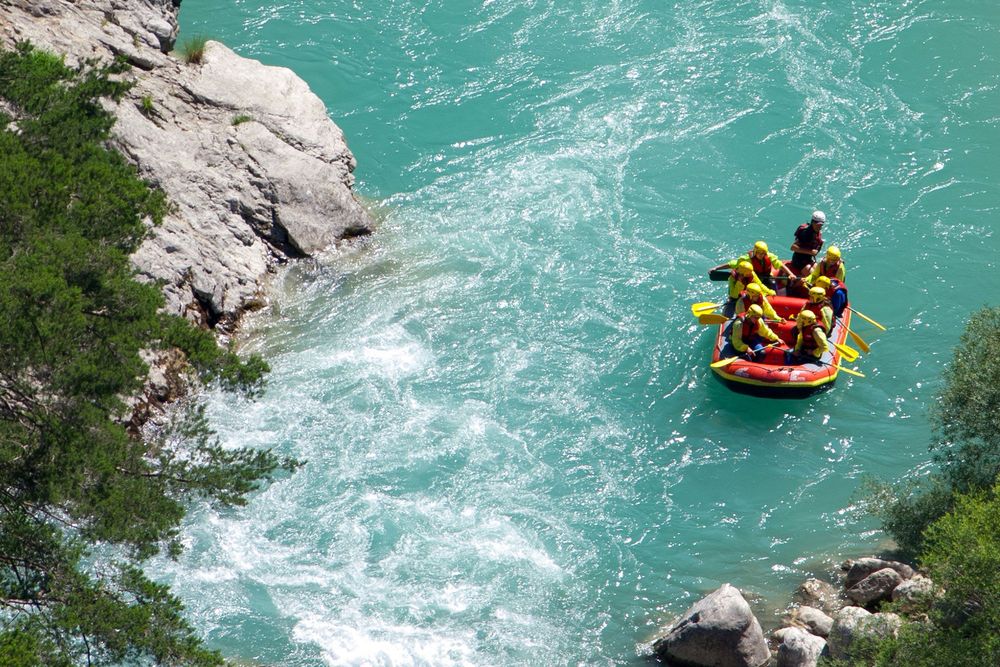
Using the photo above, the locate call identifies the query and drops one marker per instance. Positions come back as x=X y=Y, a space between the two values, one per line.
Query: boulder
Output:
x=876 y=586
x=254 y=169
x=799 y=648
x=819 y=594
x=915 y=594
x=863 y=567
x=813 y=620
x=851 y=623
x=719 y=630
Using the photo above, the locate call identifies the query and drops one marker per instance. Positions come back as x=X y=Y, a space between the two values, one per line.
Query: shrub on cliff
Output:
x=962 y=555
x=73 y=321
x=966 y=438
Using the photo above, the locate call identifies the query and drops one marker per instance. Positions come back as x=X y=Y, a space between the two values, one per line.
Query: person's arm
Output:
x=841 y=272
x=766 y=332
x=763 y=288
x=737 y=337
x=814 y=274
x=827 y=317
x=822 y=345
x=734 y=288
x=803 y=251
x=798 y=343
x=778 y=264
x=769 y=311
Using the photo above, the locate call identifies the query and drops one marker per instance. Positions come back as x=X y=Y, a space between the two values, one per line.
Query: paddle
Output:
x=704 y=307
x=865 y=317
x=712 y=318
x=850 y=371
x=865 y=347
x=722 y=363
x=848 y=353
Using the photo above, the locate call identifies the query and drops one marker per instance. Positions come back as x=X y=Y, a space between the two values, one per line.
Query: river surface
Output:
x=517 y=454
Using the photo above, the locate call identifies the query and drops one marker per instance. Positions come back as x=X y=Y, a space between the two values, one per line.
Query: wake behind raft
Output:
x=771 y=376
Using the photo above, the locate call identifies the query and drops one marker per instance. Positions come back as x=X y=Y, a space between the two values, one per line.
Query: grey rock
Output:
x=243 y=197
x=799 y=648
x=863 y=567
x=876 y=586
x=813 y=620
x=717 y=631
x=851 y=623
x=915 y=594
x=819 y=594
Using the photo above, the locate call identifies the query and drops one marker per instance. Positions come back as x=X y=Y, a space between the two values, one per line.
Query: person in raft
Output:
x=807 y=244
x=831 y=266
x=753 y=295
x=751 y=334
x=820 y=307
x=742 y=276
x=811 y=341
x=762 y=261
x=836 y=292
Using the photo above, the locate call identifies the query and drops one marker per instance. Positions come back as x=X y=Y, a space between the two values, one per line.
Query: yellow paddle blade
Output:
x=860 y=342
x=848 y=354
x=712 y=318
x=723 y=362
x=703 y=307
x=867 y=319
x=851 y=371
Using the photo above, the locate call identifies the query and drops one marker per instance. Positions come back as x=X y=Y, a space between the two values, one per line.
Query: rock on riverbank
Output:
x=255 y=170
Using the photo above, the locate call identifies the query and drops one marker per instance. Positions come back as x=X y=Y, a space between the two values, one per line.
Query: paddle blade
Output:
x=860 y=342
x=847 y=353
x=703 y=307
x=712 y=318
x=722 y=363
x=850 y=371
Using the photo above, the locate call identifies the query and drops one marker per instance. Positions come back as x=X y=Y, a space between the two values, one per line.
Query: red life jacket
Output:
x=816 y=308
x=808 y=334
x=762 y=267
x=748 y=300
x=829 y=269
x=750 y=327
x=739 y=278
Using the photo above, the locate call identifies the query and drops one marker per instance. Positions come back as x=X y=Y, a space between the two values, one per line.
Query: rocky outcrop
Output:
x=799 y=648
x=813 y=620
x=875 y=587
x=852 y=623
x=819 y=594
x=253 y=167
x=863 y=567
x=719 y=630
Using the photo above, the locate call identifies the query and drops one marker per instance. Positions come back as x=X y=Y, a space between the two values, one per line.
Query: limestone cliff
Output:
x=254 y=168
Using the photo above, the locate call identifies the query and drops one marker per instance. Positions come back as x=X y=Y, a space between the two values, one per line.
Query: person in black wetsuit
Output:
x=807 y=244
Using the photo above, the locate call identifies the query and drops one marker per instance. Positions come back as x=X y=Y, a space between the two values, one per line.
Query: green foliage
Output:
x=72 y=324
x=193 y=49
x=966 y=443
x=146 y=105
x=242 y=118
x=962 y=555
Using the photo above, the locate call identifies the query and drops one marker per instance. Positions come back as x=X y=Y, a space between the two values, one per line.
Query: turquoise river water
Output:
x=517 y=454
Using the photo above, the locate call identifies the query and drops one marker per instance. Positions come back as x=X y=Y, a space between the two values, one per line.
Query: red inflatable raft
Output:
x=771 y=375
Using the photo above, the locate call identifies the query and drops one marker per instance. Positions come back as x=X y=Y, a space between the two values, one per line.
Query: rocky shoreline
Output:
x=255 y=171
x=823 y=620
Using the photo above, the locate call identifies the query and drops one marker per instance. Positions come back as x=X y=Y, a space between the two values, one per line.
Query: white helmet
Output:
x=819 y=216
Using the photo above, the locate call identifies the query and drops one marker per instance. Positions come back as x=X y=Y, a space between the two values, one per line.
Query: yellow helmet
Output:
x=807 y=317
x=760 y=245
x=754 y=288
x=817 y=293
x=833 y=252
x=755 y=310
x=744 y=267
x=823 y=282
